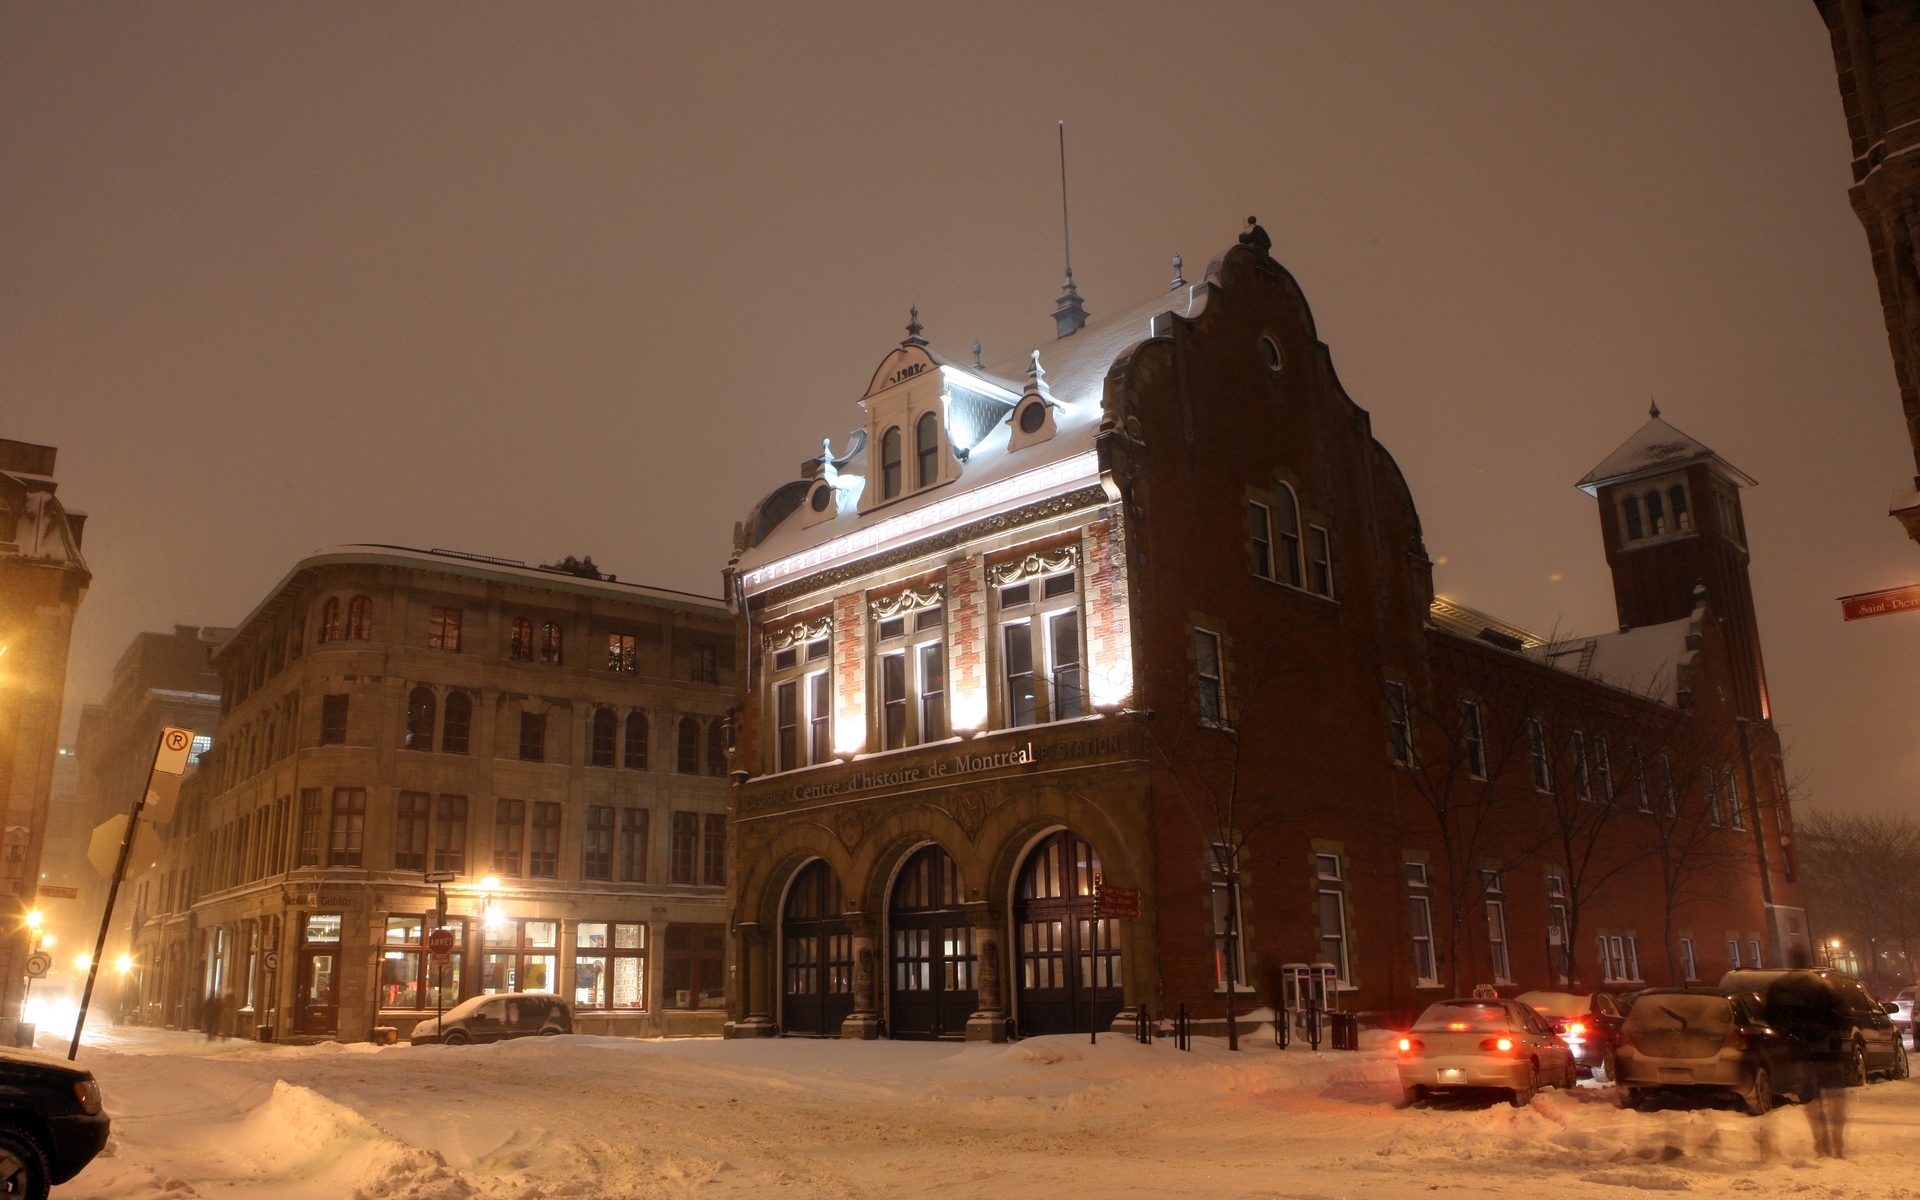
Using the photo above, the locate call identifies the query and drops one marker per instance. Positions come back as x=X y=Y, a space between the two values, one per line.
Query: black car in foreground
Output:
x=51 y=1124
x=1834 y=1015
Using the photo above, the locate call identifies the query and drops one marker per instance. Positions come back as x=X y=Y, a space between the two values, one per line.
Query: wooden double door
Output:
x=1067 y=957
x=816 y=955
x=933 y=961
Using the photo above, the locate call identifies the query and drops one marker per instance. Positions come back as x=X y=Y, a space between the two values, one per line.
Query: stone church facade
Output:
x=1152 y=609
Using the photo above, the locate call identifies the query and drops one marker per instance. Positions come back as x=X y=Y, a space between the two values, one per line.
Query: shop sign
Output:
x=1112 y=901
x=959 y=764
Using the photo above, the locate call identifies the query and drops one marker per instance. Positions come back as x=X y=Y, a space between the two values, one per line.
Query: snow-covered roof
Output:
x=993 y=475
x=1646 y=661
x=1656 y=446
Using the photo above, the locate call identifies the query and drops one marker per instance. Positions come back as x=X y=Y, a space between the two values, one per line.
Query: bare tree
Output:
x=1862 y=880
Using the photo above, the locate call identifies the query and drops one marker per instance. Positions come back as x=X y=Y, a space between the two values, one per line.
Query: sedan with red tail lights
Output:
x=1469 y=1044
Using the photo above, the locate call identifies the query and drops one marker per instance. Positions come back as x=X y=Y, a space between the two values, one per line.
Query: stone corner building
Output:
x=1153 y=606
x=552 y=738
x=43 y=579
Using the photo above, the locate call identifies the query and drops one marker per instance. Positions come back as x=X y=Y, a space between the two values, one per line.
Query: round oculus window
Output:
x=822 y=496
x=1270 y=352
x=1033 y=416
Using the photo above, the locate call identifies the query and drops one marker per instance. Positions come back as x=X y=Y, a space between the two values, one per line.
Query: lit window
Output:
x=890 y=463
x=1042 y=667
x=520 y=648
x=330 y=620
x=443 y=629
x=1733 y=954
x=360 y=619
x=550 y=644
x=622 y=654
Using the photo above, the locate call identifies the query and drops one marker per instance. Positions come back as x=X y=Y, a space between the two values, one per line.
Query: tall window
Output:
x=1043 y=670
x=310 y=817
x=1656 y=514
x=1319 y=561
x=890 y=463
x=1287 y=525
x=596 y=855
x=623 y=656
x=410 y=831
x=636 y=747
x=1420 y=923
x=533 y=737
x=550 y=638
x=717 y=747
x=1630 y=509
x=420 y=719
x=926 y=445
x=684 y=858
x=543 y=852
x=633 y=845
x=1260 y=528
x=1559 y=948
x=333 y=720
x=509 y=835
x=1642 y=797
x=1735 y=813
x=450 y=835
x=1602 y=770
x=521 y=956
x=1497 y=928
x=1333 y=914
x=786 y=724
x=1537 y=751
x=1229 y=963
x=688 y=759
x=407 y=980
x=912 y=678
x=360 y=619
x=1399 y=723
x=455 y=725
x=443 y=629
x=610 y=966
x=330 y=620
x=1582 y=774
x=1713 y=797
x=713 y=850
x=704 y=667
x=1687 y=962
x=1733 y=953
x=520 y=648
x=1670 y=798
x=1473 y=739
x=349 y=828
x=1209 y=700
x=606 y=728
x=1682 y=519
x=819 y=716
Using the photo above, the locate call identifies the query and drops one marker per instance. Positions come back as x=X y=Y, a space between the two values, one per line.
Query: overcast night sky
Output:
x=538 y=280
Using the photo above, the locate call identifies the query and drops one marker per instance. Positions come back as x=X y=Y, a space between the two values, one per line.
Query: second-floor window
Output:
x=543 y=851
x=509 y=835
x=636 y=747
x=684 y=859
x=912 y=678
x=1043 y=670
x=705 y=667
x=550 y=644
x=520 y=648
x=420 y=719
x=443 y=629
x=533 y=737
x=688 y=760
x=802 y=705
x=349 y=827
x=455 y=726
x=622 y=654
x=606 y=730
x=333 y=720
x=596 y=853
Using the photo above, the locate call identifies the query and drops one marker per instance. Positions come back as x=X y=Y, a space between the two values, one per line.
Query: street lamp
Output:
x=123 y=964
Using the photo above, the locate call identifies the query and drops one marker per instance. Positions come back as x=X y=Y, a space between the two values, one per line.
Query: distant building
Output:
x=43 y=578
x=1876 y=44
x=551 y=739
x=161 y=679
x=1153 y=608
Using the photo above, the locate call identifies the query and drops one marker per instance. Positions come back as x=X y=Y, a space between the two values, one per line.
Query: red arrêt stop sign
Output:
x=440 y=944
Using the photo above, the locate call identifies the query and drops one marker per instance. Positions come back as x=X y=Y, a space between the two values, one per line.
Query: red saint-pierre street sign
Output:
x=1880 y=604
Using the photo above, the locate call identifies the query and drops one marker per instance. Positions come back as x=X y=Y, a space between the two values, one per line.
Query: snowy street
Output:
x=584 y=1116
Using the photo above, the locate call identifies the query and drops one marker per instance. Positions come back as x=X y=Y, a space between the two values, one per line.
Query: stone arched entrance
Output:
x=816 y=953
x=932 y=969
x=1061 y=981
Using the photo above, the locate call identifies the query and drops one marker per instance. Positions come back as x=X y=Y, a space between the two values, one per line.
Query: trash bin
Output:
x=1346 y=1030
x=263 y=1033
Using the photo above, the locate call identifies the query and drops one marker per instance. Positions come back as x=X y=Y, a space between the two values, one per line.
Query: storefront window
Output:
x=521 y=956
x=695 y=967
x=610 y=967
x=408 y=976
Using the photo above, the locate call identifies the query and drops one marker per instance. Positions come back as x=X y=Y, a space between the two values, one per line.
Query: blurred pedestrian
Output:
x=1807 y=1010
x=210 y=1013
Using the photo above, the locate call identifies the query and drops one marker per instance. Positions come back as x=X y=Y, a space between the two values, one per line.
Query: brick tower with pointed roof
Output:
x=1670 y=519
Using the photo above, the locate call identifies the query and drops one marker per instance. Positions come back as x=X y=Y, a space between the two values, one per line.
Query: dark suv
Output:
x=1834 y=1014
x=50 y=1122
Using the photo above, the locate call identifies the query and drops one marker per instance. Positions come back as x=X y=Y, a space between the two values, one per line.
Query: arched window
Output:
x=890 y=463
x=717 y=747
x=926 y=444
x=636 y=758
x=330 y=620
x=1682 y=517
x=522 y=648
x=689 y=763
x=550 y=644
x=605 y=727
x=1656 y=514
x=360 y=619
x=1286 y=526
x=420 y=719
x=459 y=719
x=1631 y=510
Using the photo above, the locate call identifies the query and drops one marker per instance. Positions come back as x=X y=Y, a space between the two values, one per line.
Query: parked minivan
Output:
x=496 y=1018
x=1834 y=1015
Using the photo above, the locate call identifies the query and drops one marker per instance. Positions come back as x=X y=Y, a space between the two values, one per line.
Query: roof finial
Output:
x=1179 y=280
x=913 y=329
x=976 y=354
x=1036 y=376
x=1068 y=314
x=1653 y=408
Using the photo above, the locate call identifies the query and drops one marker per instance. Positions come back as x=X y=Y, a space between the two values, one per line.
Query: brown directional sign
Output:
x=1880 y=604
x=1117 y=901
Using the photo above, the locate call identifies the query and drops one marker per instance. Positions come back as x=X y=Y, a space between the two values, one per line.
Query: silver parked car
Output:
x=497 y=1018
x=1703 y=1040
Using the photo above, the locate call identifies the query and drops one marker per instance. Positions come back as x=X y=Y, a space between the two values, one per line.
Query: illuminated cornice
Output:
x=1060 y=476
